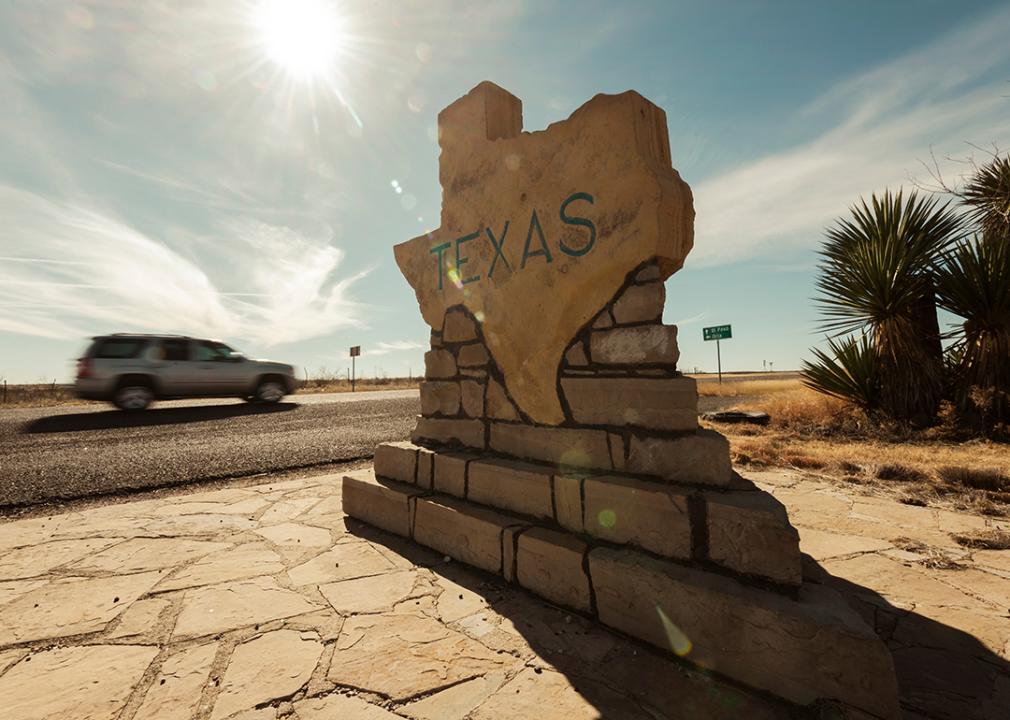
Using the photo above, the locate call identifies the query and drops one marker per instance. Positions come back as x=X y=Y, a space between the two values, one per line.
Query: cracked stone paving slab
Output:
x=71 y=606
x=271 y=666
x=244 y=561
x=70 y=683
x=401 y=656
x=218 y=608
x=175 y=692
x=255 y=603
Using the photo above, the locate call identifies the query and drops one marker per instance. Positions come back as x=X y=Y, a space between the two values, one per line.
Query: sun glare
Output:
x=302 y=36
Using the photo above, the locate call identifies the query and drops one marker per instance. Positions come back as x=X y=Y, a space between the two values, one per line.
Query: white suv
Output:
x=133 y=370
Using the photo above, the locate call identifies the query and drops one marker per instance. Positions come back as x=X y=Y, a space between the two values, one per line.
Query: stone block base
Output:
x=743 y=531
x=804 y=645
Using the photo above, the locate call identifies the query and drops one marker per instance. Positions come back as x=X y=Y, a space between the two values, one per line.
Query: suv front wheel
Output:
x=270 y=391
x=133 y=396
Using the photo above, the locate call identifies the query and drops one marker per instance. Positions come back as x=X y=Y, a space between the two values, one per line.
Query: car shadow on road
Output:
x=943 y=672
x=113 y=419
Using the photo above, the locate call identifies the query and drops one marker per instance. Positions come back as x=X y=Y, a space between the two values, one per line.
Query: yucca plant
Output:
x=849 y=371
x=987 y=195
x=875 y=278
x=973 y=282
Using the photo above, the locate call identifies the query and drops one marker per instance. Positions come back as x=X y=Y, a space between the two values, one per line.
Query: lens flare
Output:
x=679 y=642
x=575 y=457
x=606 y=518
x=302 y=36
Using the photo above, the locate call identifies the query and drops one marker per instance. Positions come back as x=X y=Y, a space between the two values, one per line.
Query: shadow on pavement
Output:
x=943 y=673
x=112 y=419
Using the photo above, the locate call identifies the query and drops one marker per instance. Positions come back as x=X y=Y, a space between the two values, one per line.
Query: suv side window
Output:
x=207 y=351
x=175 y=349
x=112 y=348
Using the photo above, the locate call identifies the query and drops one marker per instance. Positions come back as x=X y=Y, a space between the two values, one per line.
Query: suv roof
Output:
x=157 y=336
x=138 y=335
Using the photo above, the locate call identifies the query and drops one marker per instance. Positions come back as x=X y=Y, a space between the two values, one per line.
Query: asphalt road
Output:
x=55 y=454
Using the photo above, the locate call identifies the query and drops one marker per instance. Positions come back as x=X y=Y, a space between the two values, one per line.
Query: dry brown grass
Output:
x=338 y=385
x=813 y=432
x=39 y=395
x=747 y=388
x=992 y=539
x=988 y=478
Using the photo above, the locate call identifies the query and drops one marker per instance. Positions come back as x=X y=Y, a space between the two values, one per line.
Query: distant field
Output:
x=734 y=387
x=745 y=375
x=331 y=385
x=54 y=394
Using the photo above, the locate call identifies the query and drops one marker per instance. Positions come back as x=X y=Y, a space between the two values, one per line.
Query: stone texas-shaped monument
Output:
x=538 y=235
x=558 y=446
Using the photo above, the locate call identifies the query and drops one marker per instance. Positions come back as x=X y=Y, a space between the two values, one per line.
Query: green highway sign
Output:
x=718 y=332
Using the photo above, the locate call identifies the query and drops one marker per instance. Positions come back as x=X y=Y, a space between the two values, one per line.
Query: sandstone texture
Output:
x=175 y=694
x=521 y=487
x=635 y=512
x=550 y=564
x=667 y=404
x=568 y=502
x=496 y=403
x=273 y=665
x=636 y=345
x=750 y=532
x=700 y=458
x=440 y=398
x=74 y=682
x=640 y=304
x=472 y=535
x=469 y=433
x=379 y=502
x=815 y=648
x=576 y=447
x=397 y=461
x=574 y=209
x=450 y=473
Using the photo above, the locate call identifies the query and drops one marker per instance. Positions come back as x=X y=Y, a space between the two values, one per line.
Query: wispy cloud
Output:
x=691 y=320
x=880 y=126
x=89 y=272
x=384 y=348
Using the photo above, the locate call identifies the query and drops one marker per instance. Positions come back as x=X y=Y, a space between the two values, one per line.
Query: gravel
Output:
x=49 y=455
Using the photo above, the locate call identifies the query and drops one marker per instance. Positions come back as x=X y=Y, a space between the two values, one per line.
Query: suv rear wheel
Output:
x=133 y=396
x=270 y=391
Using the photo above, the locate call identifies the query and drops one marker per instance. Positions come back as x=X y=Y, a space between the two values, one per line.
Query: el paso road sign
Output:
x=719 y=332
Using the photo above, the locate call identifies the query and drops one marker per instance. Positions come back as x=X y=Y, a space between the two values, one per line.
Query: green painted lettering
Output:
x=544 y=250
x=584 y=222
x=498 y=245
x=460 y=261
x=438 y=250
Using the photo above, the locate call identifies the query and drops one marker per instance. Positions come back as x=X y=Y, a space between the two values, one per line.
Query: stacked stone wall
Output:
x=626 y=406
x=737 y=531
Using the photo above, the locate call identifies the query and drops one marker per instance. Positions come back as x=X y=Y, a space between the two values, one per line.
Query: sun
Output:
x=302 y=36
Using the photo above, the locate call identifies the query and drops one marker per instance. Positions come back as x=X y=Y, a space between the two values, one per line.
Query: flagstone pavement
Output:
x=257 y=602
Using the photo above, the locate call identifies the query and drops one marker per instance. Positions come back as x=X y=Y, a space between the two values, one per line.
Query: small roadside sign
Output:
x=718 y=332
x=355 y=352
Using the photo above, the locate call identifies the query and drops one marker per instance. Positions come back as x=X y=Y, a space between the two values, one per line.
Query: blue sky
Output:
x=163 y=170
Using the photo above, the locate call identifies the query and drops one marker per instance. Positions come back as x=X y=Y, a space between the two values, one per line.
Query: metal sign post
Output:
x=355 y=352
x=717 y=333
